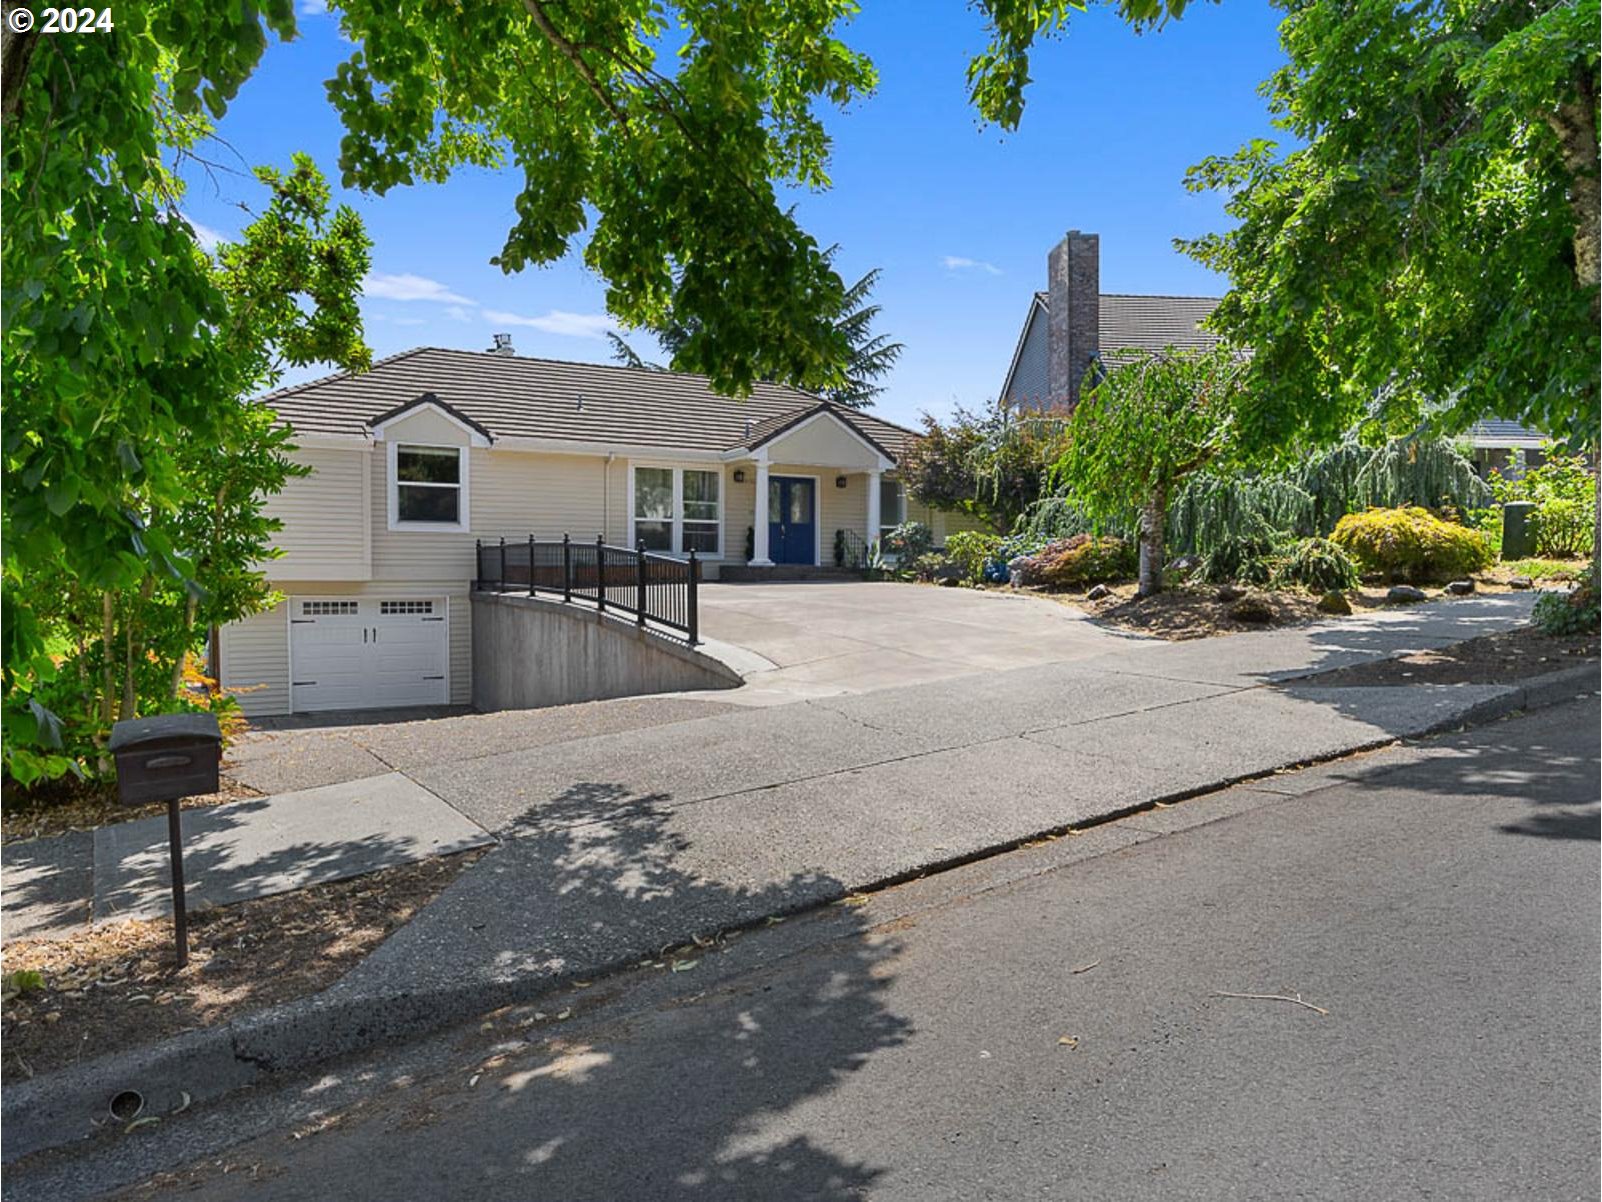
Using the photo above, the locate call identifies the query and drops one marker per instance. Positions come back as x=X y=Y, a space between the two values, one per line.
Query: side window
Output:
x=428 y=485
x=891 y=505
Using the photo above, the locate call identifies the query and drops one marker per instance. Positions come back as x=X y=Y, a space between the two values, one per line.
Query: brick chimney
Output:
x=1073 y=273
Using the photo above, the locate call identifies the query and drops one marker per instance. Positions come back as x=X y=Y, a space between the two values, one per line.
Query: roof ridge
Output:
x=1161 y=296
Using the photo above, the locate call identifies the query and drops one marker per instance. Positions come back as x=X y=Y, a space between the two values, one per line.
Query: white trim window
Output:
x=427 y=487
x=892 y=506
x=676 y=510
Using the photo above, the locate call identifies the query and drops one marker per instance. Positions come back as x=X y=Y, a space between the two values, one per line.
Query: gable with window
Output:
x=676 y=510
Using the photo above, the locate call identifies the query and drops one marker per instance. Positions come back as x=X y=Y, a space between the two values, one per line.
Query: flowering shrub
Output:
x=1080 y=560
x=973 y=551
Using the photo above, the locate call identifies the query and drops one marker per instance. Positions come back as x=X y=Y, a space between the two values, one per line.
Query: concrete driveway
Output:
x=824 y=638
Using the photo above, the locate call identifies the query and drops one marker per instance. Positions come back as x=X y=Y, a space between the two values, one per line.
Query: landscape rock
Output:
x=1186 y=564
x=945 y=581
x=1405 y=594
x=1460 y=588
x=1334 y=603
x=1229 y=592
x=1097 y=593
x=1521 y=582
x=1251 y=609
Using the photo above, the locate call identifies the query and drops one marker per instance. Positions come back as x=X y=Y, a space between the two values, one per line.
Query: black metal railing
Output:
x=645 y=586
x=850 y=549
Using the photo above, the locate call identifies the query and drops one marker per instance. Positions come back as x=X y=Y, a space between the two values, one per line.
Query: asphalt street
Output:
x=1057 y=1022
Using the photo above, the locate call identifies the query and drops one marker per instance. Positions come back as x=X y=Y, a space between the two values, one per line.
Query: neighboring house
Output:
x=1073 y=328
x=433 y=449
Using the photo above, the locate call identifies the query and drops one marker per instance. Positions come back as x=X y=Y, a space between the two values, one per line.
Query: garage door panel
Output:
x=368 y=653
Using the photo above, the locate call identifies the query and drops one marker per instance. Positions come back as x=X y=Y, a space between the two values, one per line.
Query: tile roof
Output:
x=516 y=397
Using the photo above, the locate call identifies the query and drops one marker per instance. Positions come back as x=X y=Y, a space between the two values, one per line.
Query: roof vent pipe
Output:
x=503 y=345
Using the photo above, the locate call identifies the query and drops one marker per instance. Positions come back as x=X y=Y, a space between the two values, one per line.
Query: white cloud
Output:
x=458 y=313
x=958 y=263
x=573 y=325
x=407 y=287
x=408 y=321
x=313 y=8
x=208 y=238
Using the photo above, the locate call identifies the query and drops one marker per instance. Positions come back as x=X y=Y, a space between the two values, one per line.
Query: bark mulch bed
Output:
x=115 y=987
x=1502 y=658
x=72 y=805
x=1194 y=611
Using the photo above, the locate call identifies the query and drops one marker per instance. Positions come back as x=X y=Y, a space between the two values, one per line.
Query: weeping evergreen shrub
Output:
x=1211 y=510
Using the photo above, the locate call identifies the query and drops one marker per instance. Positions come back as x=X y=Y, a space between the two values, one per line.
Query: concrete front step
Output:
x=747 y=574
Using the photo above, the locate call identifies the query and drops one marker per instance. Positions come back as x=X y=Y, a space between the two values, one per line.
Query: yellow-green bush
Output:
x=1411 y=544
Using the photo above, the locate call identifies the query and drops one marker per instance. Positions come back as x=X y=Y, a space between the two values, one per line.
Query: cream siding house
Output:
x=432 y=450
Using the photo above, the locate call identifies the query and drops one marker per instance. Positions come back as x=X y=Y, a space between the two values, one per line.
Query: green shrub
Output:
x=1316 y=564
x=1086 y=559
x=971 y=550
x=1248 y=557
x=1411 y=544
x=907 y=542
x=1574 y=612
x=1563 y=529
x=929 y=566
x=1488 y=522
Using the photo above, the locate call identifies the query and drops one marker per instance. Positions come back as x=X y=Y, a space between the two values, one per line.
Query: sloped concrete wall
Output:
x=530 y=652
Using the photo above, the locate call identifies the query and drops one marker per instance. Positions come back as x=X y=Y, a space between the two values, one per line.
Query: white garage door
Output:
x=367 y=652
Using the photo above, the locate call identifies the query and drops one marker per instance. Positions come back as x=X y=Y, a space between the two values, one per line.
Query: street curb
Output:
x=62 y=1108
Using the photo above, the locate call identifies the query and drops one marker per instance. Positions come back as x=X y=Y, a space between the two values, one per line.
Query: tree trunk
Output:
x=183 y=647
x=1574 y=122
x=1152 y=519
x=108 y=677
x=16 y=53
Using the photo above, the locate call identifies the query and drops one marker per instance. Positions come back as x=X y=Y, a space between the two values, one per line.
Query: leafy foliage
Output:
x=972 y=551
x=993 y=466
x=1564 y=493
x=907 y=542
x=1574 y=612
x=1411 y=544
x=1429 y=249
x=134 y=473
x=1142 y=430
x=1079 y=559
x=1317 y=564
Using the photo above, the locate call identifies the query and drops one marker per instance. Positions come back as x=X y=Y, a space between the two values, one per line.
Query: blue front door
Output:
x=792 y=519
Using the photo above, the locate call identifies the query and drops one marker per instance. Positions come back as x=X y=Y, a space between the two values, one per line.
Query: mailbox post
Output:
x=167 y=758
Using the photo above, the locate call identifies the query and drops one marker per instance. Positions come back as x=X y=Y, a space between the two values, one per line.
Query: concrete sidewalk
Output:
x=619 y=844
x=232 y=853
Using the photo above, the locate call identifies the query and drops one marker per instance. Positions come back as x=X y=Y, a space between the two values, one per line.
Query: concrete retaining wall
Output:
x=530 y=652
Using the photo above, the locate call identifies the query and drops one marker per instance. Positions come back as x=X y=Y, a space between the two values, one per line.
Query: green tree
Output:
x=1141 y=431
x=134 y=485
x=993 y=466
x=1429 y=250
x=870 y=355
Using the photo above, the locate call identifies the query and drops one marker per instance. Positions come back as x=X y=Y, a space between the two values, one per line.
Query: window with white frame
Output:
x=892 y=505
x=678 y=509
x=428 y=486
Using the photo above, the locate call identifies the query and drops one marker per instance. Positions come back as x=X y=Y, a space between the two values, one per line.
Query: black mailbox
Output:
x=166 y=757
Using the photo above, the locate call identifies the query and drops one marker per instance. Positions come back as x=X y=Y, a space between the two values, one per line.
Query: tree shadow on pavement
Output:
x=678 y=1100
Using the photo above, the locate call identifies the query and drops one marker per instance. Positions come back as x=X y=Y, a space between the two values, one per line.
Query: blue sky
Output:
x=959 y=217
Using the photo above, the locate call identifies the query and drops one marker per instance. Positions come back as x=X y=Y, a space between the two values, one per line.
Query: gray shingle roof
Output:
x=1493 y=430
x=1149 y=323
x=516 y=397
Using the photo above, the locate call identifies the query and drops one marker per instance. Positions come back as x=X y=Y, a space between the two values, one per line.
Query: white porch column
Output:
x=759 y=540
x=873 y=506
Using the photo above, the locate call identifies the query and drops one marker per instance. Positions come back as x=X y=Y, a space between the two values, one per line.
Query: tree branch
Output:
x=569 y=51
